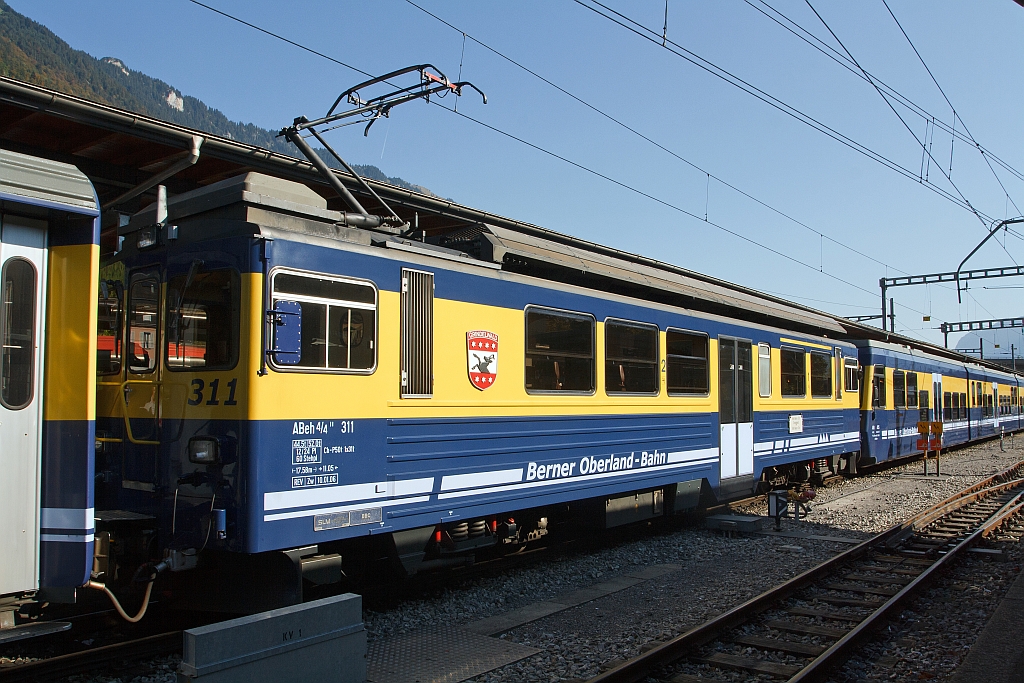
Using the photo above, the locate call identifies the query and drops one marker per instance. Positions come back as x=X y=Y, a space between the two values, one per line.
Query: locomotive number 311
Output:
x=199 y=392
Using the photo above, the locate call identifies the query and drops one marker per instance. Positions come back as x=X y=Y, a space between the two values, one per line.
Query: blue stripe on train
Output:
x=393 y=474
x=67 y=500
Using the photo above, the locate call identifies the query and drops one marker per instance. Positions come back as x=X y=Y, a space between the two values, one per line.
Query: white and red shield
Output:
x=482 y=356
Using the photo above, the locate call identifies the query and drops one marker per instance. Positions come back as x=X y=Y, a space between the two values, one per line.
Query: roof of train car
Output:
x=119 y=149
x=45 y=182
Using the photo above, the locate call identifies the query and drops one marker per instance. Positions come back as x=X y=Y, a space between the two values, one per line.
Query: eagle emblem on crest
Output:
x=482 y=358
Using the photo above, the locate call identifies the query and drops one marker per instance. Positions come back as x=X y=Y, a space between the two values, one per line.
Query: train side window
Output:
x=947 y=406
x=687 y=360
x=878 y=387
x=108 y=328
x=339 y=320
x=631 y=358
x=144 y=300
x=963 y=406
x=899 y=389
x=924 y=399
x=559 y=351
x=17 y=330
x=821 y=375
x=956 y=406
x=793 y=367
x=911 y=389
x=764 y=370
x=852 y=368
x=202 y=320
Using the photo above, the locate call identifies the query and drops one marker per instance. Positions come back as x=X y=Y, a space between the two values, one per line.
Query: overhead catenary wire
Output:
x=655 y=143
x=562 y=158
x=924 y=146
x=790 y=25
x=772 y=101
x=956 y=116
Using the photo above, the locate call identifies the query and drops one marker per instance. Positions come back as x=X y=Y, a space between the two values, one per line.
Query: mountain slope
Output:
x=31 y=52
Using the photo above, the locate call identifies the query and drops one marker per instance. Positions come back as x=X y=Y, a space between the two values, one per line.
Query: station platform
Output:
x=998 y=654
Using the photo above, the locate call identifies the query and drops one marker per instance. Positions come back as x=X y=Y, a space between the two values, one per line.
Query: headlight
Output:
x=203 y=450
x=147 y=237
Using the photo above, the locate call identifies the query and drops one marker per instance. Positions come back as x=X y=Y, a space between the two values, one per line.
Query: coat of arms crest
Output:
x=482 y=358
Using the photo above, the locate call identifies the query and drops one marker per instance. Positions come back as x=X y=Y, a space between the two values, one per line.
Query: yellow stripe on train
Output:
x=70 y=338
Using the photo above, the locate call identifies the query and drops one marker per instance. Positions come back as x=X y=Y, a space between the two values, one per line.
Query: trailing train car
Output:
x=995 y=400
x=904 y=386
x=49 y=259
x=282 y=395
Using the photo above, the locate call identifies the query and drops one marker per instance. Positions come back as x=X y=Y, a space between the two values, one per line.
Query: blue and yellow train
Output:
x=281 y=396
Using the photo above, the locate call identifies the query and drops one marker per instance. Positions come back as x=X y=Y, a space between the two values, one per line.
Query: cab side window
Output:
x=202 y=320
x=339 y=320
x=108 y=328
x=144 y=298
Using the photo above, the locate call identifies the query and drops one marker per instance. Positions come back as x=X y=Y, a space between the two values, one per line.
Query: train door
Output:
x=735 y=408
x=996 y=408
x=22 y=274
x=141 y=380
x=938 y=401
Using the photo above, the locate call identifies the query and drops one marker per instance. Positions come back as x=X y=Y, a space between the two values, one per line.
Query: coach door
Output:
x=22 y=274
x=735 y=408
x=141 y=383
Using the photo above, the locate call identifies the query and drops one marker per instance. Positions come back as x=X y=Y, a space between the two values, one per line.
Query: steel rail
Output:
x=639 y=668
x=95 y=658
x=820 y=667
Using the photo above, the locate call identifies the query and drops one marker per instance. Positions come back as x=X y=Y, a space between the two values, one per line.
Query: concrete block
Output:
x=321 y=641
x=742 y=523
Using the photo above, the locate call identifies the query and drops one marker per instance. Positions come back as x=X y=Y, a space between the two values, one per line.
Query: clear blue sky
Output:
x=972 y=48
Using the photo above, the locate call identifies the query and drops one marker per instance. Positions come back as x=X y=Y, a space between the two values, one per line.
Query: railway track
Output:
x=95 y=658
x=801 y=630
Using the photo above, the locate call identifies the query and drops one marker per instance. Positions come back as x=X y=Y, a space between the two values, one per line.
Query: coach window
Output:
x=821 y=375
x=631 y=358
x=559 y=351
x=17 y=328
x=963 y=406
x=145 y=302
x=687 y=360
x=878 y=387
x=202 y=320
x=793 y=367
x=899 y=389
x=852 y=368
x=911 y=389
x=339 y=321
x=955 y=415
x=764 y=370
